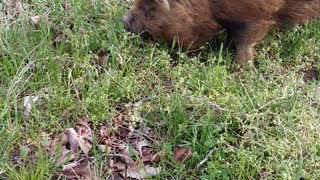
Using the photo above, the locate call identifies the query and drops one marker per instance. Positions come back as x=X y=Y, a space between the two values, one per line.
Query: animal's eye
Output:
x=148 y=11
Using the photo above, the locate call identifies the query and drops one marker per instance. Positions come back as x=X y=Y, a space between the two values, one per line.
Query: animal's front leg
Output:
x=246 y=38
x=244 y=53
x=228 y=43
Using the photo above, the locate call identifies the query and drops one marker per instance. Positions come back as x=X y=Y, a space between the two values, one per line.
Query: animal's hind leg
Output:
x=246 y=38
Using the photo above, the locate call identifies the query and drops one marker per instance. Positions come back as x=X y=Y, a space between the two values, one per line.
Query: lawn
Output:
x=76 y=58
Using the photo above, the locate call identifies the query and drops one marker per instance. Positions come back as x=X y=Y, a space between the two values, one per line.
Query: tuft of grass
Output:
x=269 y=130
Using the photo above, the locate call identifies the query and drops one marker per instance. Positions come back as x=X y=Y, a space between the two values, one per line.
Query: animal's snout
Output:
x=126 y=22
x=124 y=19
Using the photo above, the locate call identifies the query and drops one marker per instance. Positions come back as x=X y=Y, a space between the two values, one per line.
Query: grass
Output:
x=270 y=129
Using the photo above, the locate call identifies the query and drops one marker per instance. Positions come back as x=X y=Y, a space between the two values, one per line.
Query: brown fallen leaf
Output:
x=79 y=169
x=84 y=138
x=119 y=166
x=149 y=157
x=125 y=149
x=141 y=145
x=73 y=139
x=19 y=7
x=156 y=157
x=59 y=141
x=138 y=172
x=127 y=159
x=67 y=6
x=80 y=137
x=124 y=132
x=65 y=156
x=57 y=39
x=118 y=120
x=181 y=154
x=104 y=131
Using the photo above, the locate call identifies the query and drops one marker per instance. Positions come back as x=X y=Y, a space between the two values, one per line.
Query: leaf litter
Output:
x=131 y=149
x=130 y=145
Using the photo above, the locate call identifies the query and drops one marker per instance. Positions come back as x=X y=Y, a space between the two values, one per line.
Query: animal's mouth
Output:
x=126 y=27
x=127 y=24
x=146 y=35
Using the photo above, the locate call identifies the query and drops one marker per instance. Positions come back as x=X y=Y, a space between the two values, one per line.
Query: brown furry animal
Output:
x=194 y=22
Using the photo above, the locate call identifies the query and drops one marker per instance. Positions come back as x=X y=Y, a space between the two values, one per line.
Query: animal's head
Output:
x=147 y=17
x=190 y=21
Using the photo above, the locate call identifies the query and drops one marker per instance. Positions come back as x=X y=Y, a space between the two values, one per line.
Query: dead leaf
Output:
x=80 y=168
x=146 y=131
x=103 y=148
x=150 y=157
x=35 y=20
x=57 y=40
x=156 y=157
x=73 y=139
x=119 y=166
x=67 y=6
x=125 y=158
x=28 y=102
x=84 y=138
x=141 y=145
x=118 y=120
x=59 y=140
x=80 y=137
x=141 y=172
x=103 y=130
x=181 y=154
x=19 y=7
x=115 y=176
x=65 y=156
x=123 y=132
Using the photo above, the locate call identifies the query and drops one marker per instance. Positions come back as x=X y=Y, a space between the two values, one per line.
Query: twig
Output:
x=274 y=101
x=205 y=159
x=141 y=133
x=271 y=102
x=215 y=106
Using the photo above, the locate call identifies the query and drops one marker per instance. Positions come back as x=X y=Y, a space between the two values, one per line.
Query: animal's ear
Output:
x=164 y=3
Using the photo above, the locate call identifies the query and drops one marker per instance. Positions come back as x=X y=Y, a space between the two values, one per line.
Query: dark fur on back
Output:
x=194 y=22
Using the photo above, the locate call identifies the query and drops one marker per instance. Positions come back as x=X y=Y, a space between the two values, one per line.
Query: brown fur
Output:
x=194 y=22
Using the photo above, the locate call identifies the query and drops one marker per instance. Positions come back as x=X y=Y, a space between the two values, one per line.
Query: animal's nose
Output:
x=124 y=20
